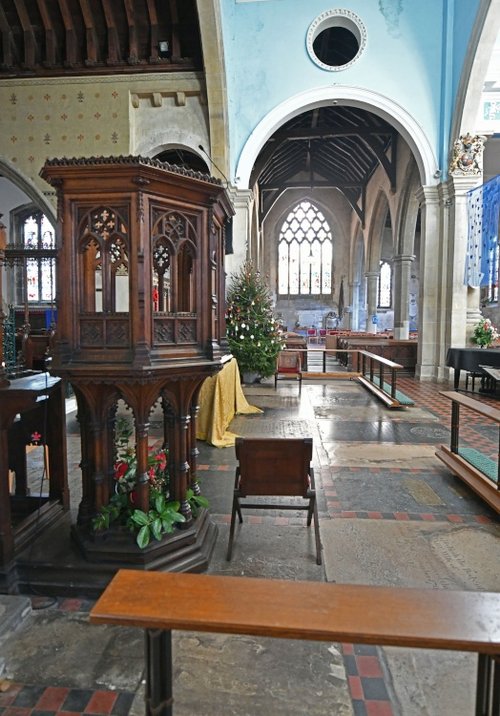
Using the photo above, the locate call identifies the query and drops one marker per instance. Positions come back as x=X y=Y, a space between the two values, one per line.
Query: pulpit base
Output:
x=66 y=562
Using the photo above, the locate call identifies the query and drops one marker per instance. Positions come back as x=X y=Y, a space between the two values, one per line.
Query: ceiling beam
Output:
x=50 y=35
x=113 y=57
x=153 y=32
x=71 y=44
x=315 y=184
x=174 y=19
x=133 y=51
x=8 y=45
x=92 y=42
x=344 y=130
x=389 y=165
x=28 y=35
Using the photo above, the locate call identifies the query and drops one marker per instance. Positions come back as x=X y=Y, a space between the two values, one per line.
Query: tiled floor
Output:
x=373 y=467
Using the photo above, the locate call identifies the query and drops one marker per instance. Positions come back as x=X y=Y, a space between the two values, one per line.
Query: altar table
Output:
x=221 y=398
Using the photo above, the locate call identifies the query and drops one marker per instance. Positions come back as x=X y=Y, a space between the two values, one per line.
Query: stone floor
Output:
x=390 y=514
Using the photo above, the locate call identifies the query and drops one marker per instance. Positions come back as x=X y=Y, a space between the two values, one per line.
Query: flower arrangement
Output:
x=253 y=333
x=484 y=333
x=163 y=513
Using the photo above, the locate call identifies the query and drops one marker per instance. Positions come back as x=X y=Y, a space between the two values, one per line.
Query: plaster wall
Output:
x=408 y=47
x=98 y=116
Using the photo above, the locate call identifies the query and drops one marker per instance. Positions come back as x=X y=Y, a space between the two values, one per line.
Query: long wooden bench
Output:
x=385 y=616
x=477 y=470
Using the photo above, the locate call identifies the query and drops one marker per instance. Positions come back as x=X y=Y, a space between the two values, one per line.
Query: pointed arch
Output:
x=376 y=229
x=29 y=188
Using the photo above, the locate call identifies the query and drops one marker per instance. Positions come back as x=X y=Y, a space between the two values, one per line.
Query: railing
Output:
x=373 y=368
x=370 y=370
x=477 y=470
x=312 y=611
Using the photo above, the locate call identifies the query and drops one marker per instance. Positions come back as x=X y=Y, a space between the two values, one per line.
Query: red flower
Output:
x=35 y=437
x=120 y=469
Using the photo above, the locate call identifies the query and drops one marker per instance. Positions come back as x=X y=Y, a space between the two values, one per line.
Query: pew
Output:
x=360 y=614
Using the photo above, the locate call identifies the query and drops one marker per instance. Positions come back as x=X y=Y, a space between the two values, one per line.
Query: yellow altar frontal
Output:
x=221 y=398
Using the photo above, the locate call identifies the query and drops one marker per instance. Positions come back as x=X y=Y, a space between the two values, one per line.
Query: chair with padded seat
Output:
x=312 y=335
x=288 y=365
x=274 y=467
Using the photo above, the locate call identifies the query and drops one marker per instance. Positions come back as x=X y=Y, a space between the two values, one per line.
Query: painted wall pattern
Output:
x=47 y=118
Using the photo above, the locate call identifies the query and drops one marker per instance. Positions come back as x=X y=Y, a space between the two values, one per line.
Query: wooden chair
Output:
x=289 y=365
x=312 y=335
x=274 y=467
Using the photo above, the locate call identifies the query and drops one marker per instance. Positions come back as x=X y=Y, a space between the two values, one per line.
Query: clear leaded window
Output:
x=305 y=252
x=384 y=294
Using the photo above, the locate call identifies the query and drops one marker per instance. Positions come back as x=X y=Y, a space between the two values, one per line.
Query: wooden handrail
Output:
x=487 y=411
x=359 y=614
x=469 y=464
x=365 y=377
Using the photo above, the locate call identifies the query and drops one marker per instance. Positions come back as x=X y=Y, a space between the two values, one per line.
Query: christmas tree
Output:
x=252 y=331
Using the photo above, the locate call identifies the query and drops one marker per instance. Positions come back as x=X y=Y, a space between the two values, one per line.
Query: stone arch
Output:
x=29 y=188
x=375 y=231
x=481 y=44
x=371 y=101
x=407 y=213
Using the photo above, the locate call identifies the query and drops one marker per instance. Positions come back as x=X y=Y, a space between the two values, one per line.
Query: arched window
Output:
x=384 y=290
x=305 y=252
x=32 y=252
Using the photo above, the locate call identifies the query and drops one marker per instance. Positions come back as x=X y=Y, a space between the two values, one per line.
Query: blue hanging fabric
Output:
x=483 y=208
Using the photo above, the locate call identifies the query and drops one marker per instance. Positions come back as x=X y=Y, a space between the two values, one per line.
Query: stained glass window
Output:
x=36 y=279
x=384 y=293
x=305 y=252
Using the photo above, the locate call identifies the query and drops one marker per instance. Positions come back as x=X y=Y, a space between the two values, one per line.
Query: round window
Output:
x=335 y=39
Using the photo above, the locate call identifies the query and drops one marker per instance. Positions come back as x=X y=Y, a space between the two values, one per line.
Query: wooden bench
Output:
x=480 y=472
x=385 y=616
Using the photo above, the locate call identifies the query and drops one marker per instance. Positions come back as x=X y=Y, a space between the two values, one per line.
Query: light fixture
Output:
x=163 y=48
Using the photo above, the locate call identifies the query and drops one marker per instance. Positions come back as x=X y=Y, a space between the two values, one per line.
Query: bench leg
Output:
x=158 y=658
x=488 y=686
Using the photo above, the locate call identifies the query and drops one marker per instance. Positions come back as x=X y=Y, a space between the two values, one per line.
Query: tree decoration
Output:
x=253 y=332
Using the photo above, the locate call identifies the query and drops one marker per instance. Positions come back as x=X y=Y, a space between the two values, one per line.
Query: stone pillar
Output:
x=402 y=273
x=371 y=300
x=354 y=291
x=242 y=201
x=463 y=300
x=430 y=282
